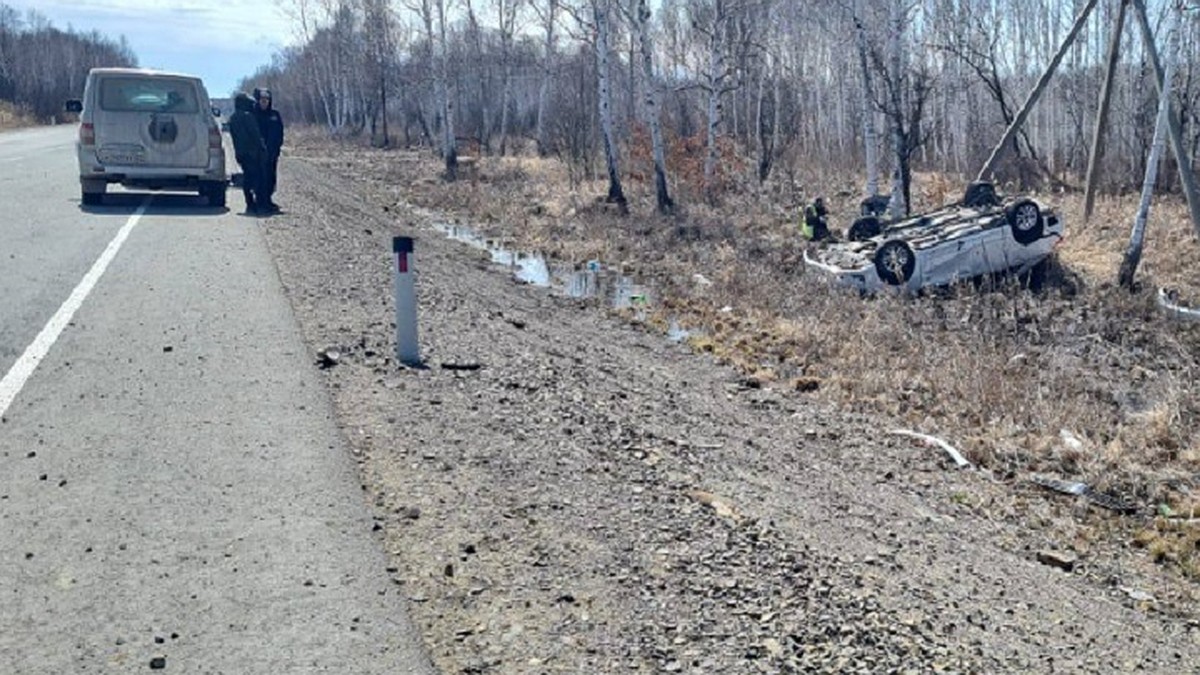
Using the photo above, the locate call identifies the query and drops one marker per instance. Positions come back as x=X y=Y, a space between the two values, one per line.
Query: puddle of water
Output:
x=593 y=281
x=677 y=333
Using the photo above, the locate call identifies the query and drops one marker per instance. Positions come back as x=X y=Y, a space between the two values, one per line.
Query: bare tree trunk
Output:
x=481 y=67
x=641 y=23
x=1133 y=253
x=1099 y=133
x=868 y=115
x=544 y=87
x=776 y=119
x=505 y=103
x=760 y=131
x=899 y=203
x=715 y=87
x=449 y=141
x=1186 y=177
x=601 y=14
x=508 y=17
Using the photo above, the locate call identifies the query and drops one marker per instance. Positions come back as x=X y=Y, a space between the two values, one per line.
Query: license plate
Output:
x=124 y=159
x=122 y=155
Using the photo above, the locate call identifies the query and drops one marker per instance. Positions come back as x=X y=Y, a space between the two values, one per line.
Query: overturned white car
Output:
x=984 y=234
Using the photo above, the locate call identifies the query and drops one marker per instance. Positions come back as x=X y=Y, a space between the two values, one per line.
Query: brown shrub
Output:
x=1005 y=374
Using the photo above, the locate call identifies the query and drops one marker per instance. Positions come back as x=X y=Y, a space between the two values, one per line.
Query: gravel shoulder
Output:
x=563 y=490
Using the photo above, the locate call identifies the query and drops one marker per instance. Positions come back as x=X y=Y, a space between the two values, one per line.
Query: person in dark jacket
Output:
x=814 y=226
x=250 y=151
x=270 y=124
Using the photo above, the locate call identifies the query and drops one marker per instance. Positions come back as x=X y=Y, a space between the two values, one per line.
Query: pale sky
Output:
x=219 y=41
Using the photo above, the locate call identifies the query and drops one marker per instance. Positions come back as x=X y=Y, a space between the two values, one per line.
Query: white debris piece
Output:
x=936 y=442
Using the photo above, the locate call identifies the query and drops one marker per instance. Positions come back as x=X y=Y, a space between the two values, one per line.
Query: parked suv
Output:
x=148 y=129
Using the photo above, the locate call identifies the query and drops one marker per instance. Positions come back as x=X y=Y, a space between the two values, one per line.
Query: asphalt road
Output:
x=172 y=482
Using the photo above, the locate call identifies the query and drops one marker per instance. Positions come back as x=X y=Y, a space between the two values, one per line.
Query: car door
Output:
x=150 y=122
x=996 y=246
x=954 y=254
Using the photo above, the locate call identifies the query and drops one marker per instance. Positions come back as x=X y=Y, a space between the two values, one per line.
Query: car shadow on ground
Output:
x=162 y=203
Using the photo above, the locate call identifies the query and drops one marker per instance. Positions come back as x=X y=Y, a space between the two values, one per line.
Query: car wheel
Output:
x=864 y=228
x=92 y=192
x=980 y=195
x=1025 y=219
x=215 y=193
x=895 y=263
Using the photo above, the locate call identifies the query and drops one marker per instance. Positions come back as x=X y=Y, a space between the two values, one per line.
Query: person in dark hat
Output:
x=814 y=225
x=250 y=152
x=270 y=125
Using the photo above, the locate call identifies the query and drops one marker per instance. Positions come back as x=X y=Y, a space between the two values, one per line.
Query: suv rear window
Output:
x=144 y=94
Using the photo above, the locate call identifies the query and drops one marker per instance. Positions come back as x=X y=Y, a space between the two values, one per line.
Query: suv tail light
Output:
x=214 y=138
x=87 y=134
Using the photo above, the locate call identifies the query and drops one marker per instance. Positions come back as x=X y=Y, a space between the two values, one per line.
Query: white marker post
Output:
x=407 y=351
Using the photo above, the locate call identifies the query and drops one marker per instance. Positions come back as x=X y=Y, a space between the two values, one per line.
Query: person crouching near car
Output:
x=813 y=223
x=270 y=125
x=250 y=152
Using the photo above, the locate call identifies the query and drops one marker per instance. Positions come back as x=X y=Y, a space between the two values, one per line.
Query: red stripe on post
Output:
x=402 y=263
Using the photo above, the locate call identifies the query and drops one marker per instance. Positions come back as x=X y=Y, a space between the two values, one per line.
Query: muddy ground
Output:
x=564 y=490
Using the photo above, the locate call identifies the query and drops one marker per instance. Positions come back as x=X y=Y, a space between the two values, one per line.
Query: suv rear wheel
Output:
x=214 y=192
x=92 y=192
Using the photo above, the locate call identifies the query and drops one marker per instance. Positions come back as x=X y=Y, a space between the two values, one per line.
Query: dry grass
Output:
x=1000 y=372
x=14 y=118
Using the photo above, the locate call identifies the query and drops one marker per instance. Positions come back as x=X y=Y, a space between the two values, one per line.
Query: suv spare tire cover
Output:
x=185 y=133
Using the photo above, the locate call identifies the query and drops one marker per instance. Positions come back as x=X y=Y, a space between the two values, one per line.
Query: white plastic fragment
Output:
x=1136 y=595
x=1167 y=300
x=936 y=442
x=1070 y=440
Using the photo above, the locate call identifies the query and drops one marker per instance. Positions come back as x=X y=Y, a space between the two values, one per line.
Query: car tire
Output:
x=864 y=228
x=92 y=198
x=1025 y=220
x=980 y=194
x=215 y=193
x=895 y=263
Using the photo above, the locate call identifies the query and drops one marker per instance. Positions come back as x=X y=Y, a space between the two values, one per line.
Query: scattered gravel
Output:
x=563 y=490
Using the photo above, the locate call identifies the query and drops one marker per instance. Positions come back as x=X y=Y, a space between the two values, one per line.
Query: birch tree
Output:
x=767 y=144
x=479 y=61
x=1137 y=236
x=378 y=26
x=548 y=13
x=601 y=28
x=507 y=13
x=712 y=20
x=780 y=81
x=433 y=16
x=901 y=92
x=870 y=142
x=640 y=17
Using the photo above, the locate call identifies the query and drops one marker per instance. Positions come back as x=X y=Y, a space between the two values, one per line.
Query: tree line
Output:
x=42 y=66
x=702 y=93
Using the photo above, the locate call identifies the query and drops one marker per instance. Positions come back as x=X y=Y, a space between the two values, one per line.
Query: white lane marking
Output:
x=21 y=371
x=12 y=159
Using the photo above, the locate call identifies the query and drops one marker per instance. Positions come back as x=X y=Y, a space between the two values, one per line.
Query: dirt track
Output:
x=564 y=491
